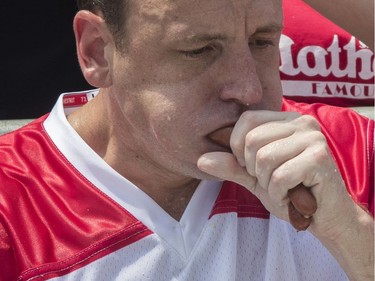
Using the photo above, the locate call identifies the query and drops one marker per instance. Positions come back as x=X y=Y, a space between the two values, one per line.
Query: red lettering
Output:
x=315 y=88
x=342 y=90
x=355 y=91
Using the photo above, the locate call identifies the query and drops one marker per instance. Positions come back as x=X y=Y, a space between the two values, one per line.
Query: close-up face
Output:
x=189 y=68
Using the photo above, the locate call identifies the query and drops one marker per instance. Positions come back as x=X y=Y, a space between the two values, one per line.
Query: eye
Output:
x=196 y=53
x=261 y=44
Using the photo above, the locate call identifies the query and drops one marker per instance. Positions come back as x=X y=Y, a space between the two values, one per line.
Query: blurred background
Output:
x=38 y=58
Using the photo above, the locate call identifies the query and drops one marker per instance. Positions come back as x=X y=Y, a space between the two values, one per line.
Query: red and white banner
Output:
x=320 y=62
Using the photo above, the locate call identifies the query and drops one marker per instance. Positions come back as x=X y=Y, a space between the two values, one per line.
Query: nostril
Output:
x=242 y=93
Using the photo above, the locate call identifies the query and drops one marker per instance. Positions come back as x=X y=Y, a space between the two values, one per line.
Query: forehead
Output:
x=217 y=16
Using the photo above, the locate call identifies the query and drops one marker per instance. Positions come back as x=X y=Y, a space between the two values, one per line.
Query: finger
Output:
x=310 y=167
x=224 y=166
x=242 y=133
x=274 y=154
x=265 y=155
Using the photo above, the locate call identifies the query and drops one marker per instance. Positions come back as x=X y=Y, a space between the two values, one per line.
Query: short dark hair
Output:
x=114 y=12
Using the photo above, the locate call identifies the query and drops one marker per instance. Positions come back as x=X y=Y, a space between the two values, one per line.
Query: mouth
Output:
x=222 y=136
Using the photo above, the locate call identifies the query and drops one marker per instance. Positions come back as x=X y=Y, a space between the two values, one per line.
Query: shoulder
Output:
x=51 y=211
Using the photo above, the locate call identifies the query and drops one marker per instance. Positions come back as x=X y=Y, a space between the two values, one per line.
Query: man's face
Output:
x=190 y=68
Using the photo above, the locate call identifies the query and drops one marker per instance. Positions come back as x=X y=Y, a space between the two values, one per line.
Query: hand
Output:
x=272 y=152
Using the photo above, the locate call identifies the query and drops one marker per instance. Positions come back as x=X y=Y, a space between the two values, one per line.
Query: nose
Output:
x=241 y=82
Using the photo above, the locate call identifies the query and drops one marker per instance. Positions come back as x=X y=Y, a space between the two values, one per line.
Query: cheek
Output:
x=177 y=131
x=272 y=91
x=171 y=126
x=158 y=117
x=166 y=111
x=173 y=140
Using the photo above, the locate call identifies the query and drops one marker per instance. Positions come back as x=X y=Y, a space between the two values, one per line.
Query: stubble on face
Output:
x=167 y=103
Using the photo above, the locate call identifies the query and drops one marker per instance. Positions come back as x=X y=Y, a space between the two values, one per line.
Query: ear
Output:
x=94 y=46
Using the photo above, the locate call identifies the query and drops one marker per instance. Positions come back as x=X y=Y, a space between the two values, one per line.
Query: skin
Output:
x=182 y=73
x=189 y=69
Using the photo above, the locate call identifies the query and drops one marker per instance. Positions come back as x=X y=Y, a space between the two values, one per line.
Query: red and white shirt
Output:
x=320 y=62
x=67 y=215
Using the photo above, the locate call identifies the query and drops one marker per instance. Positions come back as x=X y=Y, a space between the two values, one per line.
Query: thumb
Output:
x=224 y=165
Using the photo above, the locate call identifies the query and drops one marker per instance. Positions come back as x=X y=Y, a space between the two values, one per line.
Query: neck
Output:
x=174 y=201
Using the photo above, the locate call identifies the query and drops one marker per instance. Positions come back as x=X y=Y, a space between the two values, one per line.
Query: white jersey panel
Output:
x=230 y=248
x=293 y=256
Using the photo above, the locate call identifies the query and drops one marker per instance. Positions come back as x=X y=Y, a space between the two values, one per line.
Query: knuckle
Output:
x=278 y=178
x=309 y=122
x=251 y=139
x=316 y=137
x=263 y=157
x=320 y=154
x=276 y=187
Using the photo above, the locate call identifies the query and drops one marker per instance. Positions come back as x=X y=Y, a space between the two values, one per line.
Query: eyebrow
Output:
x=270 y=28
x=205 y=38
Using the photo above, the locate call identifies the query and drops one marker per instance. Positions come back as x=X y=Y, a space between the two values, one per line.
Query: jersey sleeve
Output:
x=350 y=137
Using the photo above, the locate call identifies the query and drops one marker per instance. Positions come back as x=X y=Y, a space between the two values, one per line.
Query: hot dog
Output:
x=222 y=136
x=301 y=207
